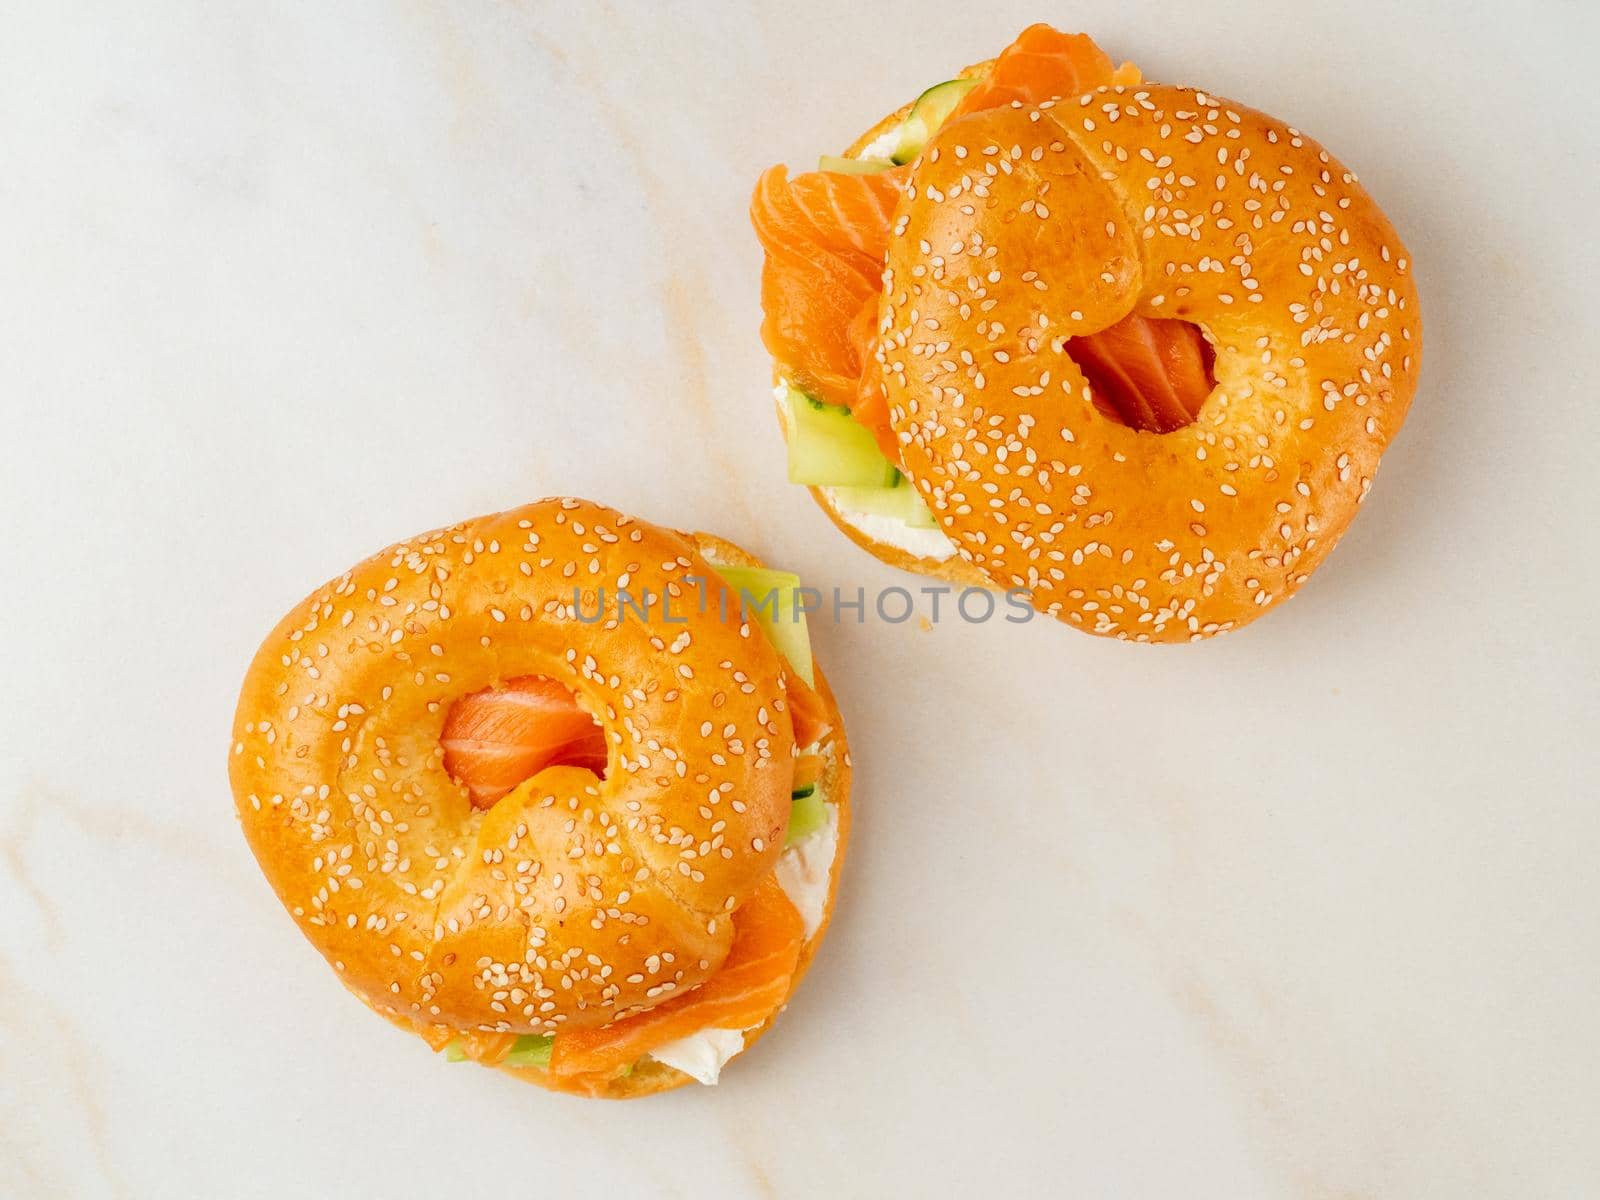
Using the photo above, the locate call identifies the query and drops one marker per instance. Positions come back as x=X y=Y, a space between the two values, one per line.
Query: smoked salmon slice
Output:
x=1042 y=64
x=871 y=403
x=753 y=982
x=826 y=237
x=496 y=738
x=1149 y=373
x=807 y=713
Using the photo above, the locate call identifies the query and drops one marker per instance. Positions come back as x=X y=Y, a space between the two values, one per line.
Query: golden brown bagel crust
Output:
x=573 y=901
x=1024 y=227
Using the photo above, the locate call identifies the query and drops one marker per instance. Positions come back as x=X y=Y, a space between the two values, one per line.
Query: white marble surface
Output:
x=1312 y=911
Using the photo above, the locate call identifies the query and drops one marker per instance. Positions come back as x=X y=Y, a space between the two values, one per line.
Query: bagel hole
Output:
x=1148 y=373
x=496 y=738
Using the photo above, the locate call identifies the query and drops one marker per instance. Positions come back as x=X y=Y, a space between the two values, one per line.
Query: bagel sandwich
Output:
x=560 y=791
x=1133 y=349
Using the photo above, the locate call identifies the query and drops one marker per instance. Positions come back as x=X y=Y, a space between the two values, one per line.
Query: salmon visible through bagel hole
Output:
x=497 y=737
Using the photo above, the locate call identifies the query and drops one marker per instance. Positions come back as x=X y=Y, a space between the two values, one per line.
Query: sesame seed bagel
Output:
x=1023 y=227
x=575 y=900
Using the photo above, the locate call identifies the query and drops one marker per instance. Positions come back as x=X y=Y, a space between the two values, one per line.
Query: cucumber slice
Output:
x=802 y=793
x=806 y=815
x=829 y=447
x=931 y=110
x=530 y=1050
x=769 y=597
x=900 y=501
x=853 y=166
x=886 y=501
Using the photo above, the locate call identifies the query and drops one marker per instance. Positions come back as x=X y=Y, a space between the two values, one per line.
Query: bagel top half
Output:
x=1023 y=227
x=575 y=900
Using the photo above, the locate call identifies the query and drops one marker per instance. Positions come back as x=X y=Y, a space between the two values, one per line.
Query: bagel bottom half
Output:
x=649 y=1076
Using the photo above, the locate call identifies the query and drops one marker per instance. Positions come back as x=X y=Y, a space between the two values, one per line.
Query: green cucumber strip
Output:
x=921 y=516
x=931 y=110
x=802 y=793
x=880 y=501
x=770 y=598
x=830 y=448
x=806 y=815
x=530 y=1050
x=900 y=501
x=853 y=166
